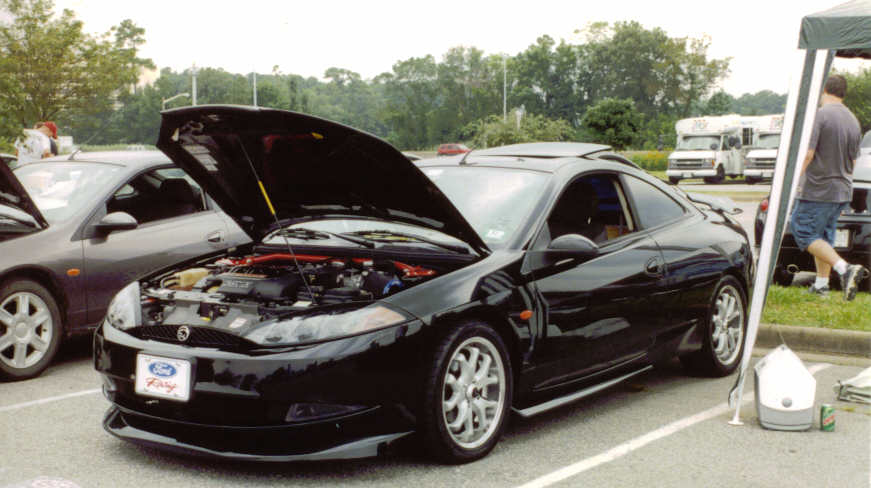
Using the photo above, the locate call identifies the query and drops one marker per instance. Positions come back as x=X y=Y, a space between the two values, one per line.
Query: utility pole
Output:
x=194 y=84
x=255 y=88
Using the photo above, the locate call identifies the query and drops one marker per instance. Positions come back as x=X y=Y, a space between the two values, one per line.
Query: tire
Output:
x=782 y=277
x=30 y=329
x=721 y=175
x=724 y=330
x=454 y=400
x=673 y=180
x=752 y=180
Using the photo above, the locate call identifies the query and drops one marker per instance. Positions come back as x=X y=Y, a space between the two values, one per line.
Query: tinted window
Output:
x=654 y=207
x=593 y=206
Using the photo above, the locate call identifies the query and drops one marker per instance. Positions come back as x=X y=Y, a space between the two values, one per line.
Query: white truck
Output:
x=707 y=147
x=760 y=159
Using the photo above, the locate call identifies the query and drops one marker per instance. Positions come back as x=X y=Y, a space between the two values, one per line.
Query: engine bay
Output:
x=235 y=292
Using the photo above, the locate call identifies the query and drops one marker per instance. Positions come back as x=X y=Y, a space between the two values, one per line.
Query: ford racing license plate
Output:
x=163 y=377
x=842 y=238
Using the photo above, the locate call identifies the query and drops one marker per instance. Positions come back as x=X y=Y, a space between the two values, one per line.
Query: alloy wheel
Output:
x=727 y=331
x=25 y=330
x=473 y=397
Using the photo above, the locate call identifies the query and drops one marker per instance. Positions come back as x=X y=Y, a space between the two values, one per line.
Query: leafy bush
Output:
x=613 y=121
x=649 y=160
x=493 y=131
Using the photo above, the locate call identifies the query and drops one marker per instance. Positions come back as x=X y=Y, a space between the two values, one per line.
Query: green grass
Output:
x=794 y=306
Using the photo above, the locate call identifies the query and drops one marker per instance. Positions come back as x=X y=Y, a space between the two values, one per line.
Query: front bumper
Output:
x=691 y=173
x=239 y=403
x=759 y=173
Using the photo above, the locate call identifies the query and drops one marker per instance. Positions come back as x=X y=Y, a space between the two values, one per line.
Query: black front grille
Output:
x=199 y=336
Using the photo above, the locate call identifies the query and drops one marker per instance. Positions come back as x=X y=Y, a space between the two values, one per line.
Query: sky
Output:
x=368 y=37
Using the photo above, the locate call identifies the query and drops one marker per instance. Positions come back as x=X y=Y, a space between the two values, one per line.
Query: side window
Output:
x=654 y=206
x=594 y=206
x=159 y=194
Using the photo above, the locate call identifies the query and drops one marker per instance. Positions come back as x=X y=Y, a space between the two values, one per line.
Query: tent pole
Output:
x=798 y=122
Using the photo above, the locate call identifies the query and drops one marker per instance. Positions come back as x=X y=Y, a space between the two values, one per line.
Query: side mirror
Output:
x=734 y=142
x=574 y=243
x=563 y=252
x=116 y=221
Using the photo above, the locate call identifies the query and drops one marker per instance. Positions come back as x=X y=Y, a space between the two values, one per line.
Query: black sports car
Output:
x=75 y=229
x=383 y=298
x=852 y=238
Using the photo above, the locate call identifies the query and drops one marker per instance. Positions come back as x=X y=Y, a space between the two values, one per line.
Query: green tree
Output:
x=719 y=103
x=613 y=121
x=760 y=103
x=55 y=69
x=858 y=97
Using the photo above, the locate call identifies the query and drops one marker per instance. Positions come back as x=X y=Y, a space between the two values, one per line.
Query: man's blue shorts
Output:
x=815 y=220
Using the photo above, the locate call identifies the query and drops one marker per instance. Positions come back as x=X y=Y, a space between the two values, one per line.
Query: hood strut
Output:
x=277 y=222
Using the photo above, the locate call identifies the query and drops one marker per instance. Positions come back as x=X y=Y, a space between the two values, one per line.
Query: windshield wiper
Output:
x=386 y=234
x=305 y=233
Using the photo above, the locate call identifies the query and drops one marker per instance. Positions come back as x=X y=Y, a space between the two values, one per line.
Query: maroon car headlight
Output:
x=125 y=310
x=331 y=324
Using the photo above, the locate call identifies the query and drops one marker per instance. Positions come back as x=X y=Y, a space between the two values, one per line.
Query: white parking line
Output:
x=58 y=398
x=639 y=442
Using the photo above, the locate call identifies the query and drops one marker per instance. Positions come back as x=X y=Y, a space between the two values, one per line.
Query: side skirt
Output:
x=556 y=402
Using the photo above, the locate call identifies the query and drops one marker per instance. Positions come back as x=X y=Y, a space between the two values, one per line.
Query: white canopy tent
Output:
x=845 y=31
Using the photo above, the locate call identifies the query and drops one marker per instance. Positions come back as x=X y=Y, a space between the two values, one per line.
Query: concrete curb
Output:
x=817 y=340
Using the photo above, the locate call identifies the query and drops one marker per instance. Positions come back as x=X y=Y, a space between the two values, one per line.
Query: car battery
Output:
x=785 y=391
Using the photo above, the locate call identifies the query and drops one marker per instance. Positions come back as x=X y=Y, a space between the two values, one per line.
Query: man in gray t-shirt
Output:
x=826 y=188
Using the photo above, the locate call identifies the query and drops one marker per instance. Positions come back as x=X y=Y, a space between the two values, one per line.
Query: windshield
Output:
x=362 y=226
x=769 y=141
x=60 y=189
x=697 y=143
x=495 y=201
x=866 y=141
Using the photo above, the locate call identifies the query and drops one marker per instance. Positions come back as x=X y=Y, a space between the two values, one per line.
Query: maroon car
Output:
x=452 y=149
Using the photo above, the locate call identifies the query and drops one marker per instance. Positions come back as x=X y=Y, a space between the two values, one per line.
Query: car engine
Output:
x=236 y=292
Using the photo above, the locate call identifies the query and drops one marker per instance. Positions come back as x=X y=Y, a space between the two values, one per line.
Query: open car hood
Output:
x=13 y=194
x=307 y=166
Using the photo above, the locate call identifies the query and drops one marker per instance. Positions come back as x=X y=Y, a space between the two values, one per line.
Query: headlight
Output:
x=709 y=161
x=328 y=325
x=125 y=311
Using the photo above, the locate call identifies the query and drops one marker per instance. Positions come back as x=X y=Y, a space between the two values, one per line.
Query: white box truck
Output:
x=708 y=148
x=759 y=162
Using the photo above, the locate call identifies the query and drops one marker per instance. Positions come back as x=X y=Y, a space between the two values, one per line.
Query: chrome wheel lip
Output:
x=473 y=393
x=28 y=330
x=727 y=325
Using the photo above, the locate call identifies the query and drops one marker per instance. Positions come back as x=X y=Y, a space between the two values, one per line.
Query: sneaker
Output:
x=850 y=280
x=823 y=291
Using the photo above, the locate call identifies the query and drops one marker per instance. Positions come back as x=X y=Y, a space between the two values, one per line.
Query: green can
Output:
x=827 y=418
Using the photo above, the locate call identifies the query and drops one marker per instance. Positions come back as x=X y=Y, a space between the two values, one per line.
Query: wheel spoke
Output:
x=462 y=413
x=6 y=318
x=469 y=371
x=22 y=301
x=40 y=317
x=6 y=340
x=19 y=358
x=484 y=369
x=38 y=344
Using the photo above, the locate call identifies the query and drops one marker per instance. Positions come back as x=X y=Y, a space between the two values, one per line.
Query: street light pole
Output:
x=163 y=102
x=255 y=88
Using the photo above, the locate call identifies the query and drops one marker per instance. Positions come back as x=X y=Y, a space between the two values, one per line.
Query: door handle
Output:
x=654 y=267
x=215 y=237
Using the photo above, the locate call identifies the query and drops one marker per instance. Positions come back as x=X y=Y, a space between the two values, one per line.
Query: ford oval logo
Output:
x=164 y=370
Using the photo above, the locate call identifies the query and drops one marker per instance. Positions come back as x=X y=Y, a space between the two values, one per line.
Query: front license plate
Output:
x=162 y=377
x=842 y=238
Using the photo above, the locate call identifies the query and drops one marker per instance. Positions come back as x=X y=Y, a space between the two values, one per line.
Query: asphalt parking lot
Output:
x=661 y=428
